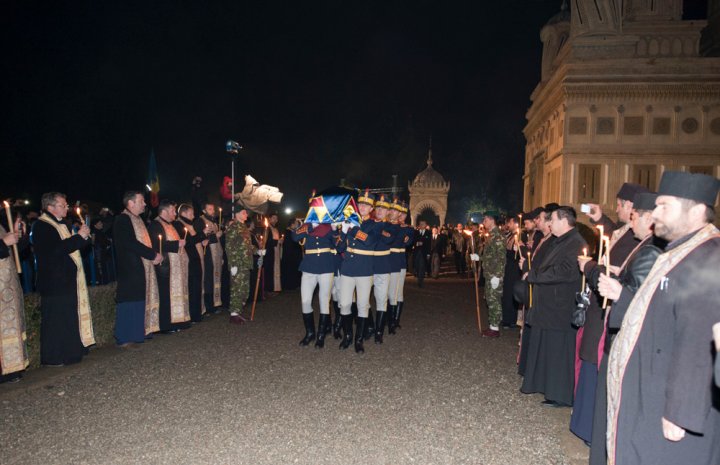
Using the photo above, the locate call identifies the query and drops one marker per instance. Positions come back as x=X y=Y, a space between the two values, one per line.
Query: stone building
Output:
x=624 y=95
x=428 y=191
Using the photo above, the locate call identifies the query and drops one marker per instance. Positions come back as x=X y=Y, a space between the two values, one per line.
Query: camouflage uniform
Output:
x=239 y=250
x=493 y=263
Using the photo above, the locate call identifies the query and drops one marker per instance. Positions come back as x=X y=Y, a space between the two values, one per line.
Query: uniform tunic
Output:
x=317 y=265
x=239 y=249
x=493 y=263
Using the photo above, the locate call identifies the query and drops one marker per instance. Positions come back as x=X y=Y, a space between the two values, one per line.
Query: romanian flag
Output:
x=153 y=181
x=333 y=205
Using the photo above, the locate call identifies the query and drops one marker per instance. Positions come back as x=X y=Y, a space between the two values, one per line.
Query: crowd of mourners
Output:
x=619 y=320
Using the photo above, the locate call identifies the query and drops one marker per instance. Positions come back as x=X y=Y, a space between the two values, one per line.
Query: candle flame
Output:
x=585 y=252
x=467 y=231
x=7 y=205
x=266 y=222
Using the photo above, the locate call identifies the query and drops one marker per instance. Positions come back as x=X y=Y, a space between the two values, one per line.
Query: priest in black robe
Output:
x=172 y=271
x=66 y=322
x=136 y=312
x=185 y=226
x=663 y=407
x=212 y=257
x=550 y=368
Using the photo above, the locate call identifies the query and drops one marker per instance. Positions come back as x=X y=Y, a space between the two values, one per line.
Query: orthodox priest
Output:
x=212 y=257
x=172 y=271
x=185 y=226
x=66 y=321
x=13 y=351
x=137 y=297
x=550 y=364
x=662 y=402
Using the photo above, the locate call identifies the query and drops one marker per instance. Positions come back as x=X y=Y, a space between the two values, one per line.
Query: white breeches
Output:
x=361 y=285
x=307 y=289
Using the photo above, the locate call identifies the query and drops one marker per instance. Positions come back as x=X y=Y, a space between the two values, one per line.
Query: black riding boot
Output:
x=369 y=325
x=347 y=324
x=392 y=320
x=354 y=312
x=380 y=327
x=323 y=324
x=359 y=332
x=309 y=329
x=398 y=312
x=337 y=326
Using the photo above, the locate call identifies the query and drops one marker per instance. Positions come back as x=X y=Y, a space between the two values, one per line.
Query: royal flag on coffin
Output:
x=333 y=205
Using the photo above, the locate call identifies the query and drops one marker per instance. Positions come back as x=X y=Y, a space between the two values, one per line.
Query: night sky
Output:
x=315 y=90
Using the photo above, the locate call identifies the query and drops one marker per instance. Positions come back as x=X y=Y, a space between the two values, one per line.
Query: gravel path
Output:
x=435 y=393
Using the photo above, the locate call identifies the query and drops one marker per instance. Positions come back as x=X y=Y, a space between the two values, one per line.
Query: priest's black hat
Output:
x=694 y=186
x=628 y=191
x=532 y=214
x=644 y=201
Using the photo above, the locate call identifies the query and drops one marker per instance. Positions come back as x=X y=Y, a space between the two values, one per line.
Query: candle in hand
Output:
x=185 y=236
x=220 y=218
x=160 y=239
x=77 y=210
x=585 y=252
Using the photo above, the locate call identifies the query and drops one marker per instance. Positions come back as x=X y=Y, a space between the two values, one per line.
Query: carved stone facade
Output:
x=428 y=190
x=621 y=100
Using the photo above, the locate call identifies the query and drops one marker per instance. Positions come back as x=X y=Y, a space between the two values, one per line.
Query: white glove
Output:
x=233 y=270
x=474 y=257
x=494 y=282
x=346 y=227
x=315 y=225
x=261 y=252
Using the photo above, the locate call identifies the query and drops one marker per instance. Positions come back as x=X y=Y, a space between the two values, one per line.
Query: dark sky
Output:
x=315 y=90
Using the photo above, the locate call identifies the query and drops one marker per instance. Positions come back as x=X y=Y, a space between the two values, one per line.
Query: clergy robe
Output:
x=193 y=250
x=590 y=336
x=522 y=294
x=551 y=348
x=13 y=350
x=137 y=292
x=66 y=322
x=171 y=276
x=271 y=261
x=213 y=262
x=631 y=277
x=292 y=255
x=661 y=362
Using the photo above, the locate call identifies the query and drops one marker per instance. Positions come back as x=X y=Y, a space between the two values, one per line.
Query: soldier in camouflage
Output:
x=493 y=264
x=239 y=250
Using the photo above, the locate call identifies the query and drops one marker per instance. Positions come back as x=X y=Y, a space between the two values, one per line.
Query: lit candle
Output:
x=77 y=210
x=160 y=239
x=11 y=229
x=607 y=265
x=220 y=218
x=600 y=250
x=585 y=252
x=185 y=236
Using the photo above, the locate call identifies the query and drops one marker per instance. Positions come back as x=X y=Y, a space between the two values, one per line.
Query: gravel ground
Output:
x=435 y=393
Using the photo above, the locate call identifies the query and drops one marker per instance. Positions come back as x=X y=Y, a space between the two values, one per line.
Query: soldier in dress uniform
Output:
x=493 y=264
x=402 y=239
x=318 y=267
x=382 y=264
x=357 y=270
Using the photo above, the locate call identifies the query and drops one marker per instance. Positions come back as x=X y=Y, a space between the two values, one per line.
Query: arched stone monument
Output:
x=428 y=190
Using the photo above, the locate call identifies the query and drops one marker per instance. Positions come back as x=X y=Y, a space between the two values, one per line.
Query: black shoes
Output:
x=309 y=329
x=380 y=327
x=323 y=329
x=395 y=317
x=347 y=324
x=359 y=335
x=337 y=326
x=369 y=325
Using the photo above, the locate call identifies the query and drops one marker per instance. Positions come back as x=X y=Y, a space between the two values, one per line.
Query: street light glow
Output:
x=288 y=210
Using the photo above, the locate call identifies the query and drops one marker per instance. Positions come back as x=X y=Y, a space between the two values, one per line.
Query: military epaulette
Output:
x=361 y=236
x=386 y=234
x=302 y=229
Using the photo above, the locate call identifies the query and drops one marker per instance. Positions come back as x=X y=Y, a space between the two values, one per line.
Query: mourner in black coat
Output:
x=551 y=350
